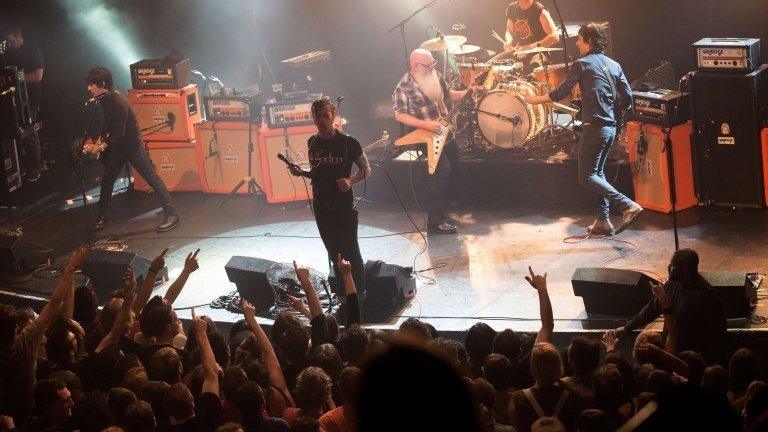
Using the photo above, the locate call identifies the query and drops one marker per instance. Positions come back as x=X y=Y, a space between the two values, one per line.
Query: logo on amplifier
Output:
x=725 y=129
x=713 y=51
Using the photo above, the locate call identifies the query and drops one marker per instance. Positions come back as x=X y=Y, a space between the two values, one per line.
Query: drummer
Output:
x=529 y=25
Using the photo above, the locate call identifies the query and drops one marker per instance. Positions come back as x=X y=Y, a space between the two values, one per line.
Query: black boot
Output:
x=170 y=222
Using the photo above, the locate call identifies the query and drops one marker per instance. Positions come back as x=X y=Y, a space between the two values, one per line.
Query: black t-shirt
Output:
x=119 y=122
x=29 y=58
x=332 y=159
x=526 y=23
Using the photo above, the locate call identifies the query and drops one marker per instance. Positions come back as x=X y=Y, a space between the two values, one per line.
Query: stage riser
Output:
x=499 y=182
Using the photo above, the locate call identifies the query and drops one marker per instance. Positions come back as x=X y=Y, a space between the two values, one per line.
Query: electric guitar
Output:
x=95 y=147
x=435 y=141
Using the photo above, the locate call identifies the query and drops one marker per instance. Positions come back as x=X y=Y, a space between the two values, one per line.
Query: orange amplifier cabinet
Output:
x=176 y=163
x=171 y=113
x=764 y=140
x=224 y=155
x=650 y=173
x=279 y=184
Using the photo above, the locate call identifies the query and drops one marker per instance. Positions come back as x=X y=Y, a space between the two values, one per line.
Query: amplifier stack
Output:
x=167 y=108
x=729 y=103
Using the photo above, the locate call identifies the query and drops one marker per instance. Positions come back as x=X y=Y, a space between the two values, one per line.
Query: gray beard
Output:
x=430 y=86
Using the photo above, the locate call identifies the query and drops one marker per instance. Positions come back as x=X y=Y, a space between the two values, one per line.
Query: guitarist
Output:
x=123 y=144
x=420 y=99
x=605 y=96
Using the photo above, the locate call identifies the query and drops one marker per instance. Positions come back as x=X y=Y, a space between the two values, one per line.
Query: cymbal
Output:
x=504 y=56
x=537 y=50
x=443 y=43
x=464 y=49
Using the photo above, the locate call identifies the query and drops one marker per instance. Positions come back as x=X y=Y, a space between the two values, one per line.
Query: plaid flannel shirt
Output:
x=409 y=99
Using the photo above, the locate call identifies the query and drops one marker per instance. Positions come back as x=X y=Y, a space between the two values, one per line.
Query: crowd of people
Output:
x=130 y=366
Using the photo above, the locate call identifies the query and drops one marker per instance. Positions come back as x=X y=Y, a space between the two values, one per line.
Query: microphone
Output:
x=287 y=162
x=171 y=120
x=96 y=99
x=439 y=33
x=11 y=90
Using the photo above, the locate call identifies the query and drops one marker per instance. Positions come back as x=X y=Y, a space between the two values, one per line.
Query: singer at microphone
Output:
x=332 y=154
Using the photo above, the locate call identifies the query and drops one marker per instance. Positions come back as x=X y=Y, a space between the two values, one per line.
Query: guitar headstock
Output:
x=3 y=47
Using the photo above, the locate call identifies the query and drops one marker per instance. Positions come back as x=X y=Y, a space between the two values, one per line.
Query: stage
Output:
x=477 y=275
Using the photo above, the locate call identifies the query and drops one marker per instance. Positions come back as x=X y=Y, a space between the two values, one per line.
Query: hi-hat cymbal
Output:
x=443 y=43
x=537 y=50
x=464 y=49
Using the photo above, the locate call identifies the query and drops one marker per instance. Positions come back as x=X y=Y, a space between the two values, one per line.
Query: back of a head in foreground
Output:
x=408 y=379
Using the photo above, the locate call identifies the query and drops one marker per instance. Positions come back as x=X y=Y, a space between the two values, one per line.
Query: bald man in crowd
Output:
x=420 y=99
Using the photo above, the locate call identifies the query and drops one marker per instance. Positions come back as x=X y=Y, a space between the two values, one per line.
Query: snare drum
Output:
x=468 y=73
x=505 y=120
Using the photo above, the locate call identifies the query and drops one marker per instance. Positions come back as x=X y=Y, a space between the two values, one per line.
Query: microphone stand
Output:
x=564 y=34
x=251 y=183
x=401 y=26
x=513 y=120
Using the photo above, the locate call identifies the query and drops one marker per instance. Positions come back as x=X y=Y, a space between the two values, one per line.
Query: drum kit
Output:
x=501 y=116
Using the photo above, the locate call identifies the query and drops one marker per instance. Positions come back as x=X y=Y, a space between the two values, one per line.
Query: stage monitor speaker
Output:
x=176 y=163
x=738 y=293
x=224 y=155
x=650 y=171
x=387 y=286
x=727 y=110
x=279 y=184
x=170 y=114
x=18 y=258
x=249 y=274
x=608 y=291
x=105 y=268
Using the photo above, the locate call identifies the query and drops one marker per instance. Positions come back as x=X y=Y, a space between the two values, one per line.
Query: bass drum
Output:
x=505 y=120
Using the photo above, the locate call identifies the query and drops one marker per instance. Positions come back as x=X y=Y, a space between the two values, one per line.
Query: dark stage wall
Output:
x=231 y=39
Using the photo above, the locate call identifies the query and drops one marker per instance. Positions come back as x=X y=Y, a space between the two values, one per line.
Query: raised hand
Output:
x=129 y=282
x=537 y=281
x=302 y=273
x=610 y=340
x=78 y=256
x=344 y=266
x=248 y=310
x=159 y=262
x=660 y=294
x=295 y=302
x=190 y=264
x=199 y=326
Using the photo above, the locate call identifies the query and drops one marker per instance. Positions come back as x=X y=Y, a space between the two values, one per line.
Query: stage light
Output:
x=106 y=26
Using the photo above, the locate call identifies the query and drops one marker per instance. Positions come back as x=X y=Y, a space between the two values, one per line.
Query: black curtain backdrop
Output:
x=236 y=39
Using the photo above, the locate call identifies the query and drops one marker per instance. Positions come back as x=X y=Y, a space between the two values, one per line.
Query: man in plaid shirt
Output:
x=420 y=99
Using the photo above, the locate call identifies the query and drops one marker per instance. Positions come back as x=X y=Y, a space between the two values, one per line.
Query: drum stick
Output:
x=497 y=37
x=566 y=109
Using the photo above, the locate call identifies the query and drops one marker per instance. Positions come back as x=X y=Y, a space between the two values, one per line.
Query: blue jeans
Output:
x=596 y=141
x=132 y=152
